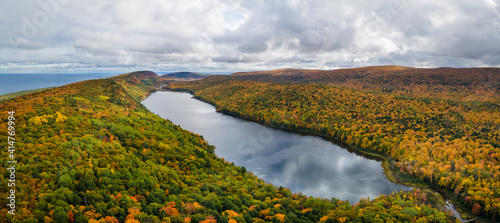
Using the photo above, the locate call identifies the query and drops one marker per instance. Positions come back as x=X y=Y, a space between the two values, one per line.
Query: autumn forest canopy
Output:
x=440 y=126
x=90 y=152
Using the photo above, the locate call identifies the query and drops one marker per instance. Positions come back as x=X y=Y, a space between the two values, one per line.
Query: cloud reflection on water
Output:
x=306 y=164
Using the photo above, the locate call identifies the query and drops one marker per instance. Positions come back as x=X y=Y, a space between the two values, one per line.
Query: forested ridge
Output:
x=447 y=142
x=464 y=84
x=90 y=152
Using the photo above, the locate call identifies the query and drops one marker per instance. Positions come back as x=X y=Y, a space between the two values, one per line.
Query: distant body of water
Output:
x=10 y=83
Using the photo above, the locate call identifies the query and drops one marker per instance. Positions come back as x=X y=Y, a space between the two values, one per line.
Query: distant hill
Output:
x=387 y=76
x=409 y=81
x=138 y=84
x=184 y=76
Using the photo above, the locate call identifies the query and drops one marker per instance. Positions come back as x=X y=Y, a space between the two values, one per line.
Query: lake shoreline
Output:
x=439 y=196
x=304 y=163
x=390 y=172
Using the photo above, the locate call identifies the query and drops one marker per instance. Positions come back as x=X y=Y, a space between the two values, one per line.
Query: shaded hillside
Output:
x=446 y=83
x=90 y=152
x=184 y=76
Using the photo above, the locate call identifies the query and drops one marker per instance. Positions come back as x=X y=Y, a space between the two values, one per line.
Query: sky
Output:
x=234 y=35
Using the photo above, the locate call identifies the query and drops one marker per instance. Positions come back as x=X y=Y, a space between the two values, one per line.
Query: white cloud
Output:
x=234 y=35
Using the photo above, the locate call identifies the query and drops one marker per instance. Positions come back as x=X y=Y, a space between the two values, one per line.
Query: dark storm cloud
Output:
x=235 y=35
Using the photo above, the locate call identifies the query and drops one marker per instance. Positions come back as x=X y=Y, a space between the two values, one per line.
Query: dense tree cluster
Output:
x=453 y=144
x=90 y=152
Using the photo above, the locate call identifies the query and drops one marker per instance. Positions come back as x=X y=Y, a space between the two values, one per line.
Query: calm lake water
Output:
x=306 y=164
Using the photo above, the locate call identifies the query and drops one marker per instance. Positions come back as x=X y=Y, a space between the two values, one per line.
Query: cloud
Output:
x=228 y=35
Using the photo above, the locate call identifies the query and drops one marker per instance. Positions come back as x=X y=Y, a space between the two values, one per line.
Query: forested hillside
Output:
x=138 y=84
x=465 y=84
x=90 y=152
x=445 y=141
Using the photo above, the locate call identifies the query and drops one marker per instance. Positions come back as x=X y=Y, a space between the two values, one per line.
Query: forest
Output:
x=446 y=136
x=90 y=152
x=464 y=84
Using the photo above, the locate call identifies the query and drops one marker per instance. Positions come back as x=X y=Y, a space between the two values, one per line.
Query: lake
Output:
x=307 y=164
